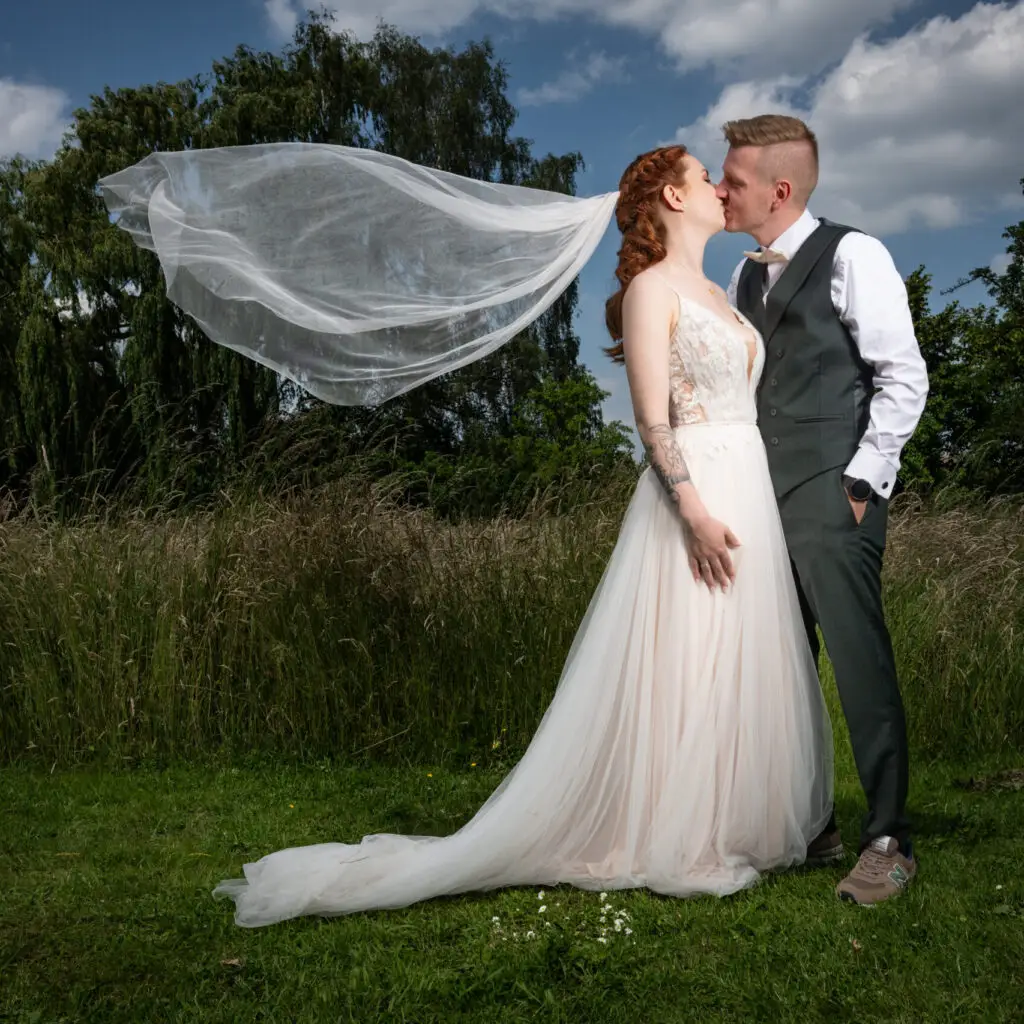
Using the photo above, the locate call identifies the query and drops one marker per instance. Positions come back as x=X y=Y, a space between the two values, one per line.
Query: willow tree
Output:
x=117 y=386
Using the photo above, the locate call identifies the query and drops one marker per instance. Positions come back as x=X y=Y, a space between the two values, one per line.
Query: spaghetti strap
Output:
x=664 y=280
x=675 y=291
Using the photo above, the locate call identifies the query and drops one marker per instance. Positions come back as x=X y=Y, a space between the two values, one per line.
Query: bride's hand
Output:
x=708 y=542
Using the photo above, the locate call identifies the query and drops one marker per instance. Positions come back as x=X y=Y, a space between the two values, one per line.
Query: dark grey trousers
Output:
x=838 y=568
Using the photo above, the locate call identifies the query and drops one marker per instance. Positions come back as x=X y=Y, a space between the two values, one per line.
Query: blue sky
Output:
x=917 y=103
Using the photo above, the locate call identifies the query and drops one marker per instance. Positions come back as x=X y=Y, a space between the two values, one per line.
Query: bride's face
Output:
x=699 y=196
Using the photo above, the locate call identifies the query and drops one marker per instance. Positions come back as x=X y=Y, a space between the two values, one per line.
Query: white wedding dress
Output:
x=687 y=747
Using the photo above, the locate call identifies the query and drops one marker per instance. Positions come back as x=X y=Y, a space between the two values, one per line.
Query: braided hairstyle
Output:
x=643 y=233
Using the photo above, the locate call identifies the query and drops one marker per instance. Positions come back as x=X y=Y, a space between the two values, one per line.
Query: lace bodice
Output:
x=708 y=367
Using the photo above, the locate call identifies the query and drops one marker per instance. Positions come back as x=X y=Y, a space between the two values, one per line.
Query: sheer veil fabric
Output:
x=356 y=274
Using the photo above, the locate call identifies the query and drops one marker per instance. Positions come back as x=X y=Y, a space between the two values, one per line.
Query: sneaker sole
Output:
x=824 y=860
x=847 y=897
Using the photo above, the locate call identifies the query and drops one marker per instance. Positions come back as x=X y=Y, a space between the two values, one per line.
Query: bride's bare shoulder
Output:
x=649 y=307
x=650 y=286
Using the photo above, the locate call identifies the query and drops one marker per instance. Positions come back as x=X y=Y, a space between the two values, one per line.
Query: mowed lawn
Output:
x=106 y=913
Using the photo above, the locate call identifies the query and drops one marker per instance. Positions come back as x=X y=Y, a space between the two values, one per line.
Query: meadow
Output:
x=180 y=694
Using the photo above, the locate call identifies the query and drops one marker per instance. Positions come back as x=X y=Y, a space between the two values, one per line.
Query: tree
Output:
x=998 y=459
x=558 y=447
x=958 y=396
x=16 y=245
x=116 y=387
x=972 y=431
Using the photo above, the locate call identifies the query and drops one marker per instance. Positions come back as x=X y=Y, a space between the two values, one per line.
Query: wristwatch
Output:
x=859 y=490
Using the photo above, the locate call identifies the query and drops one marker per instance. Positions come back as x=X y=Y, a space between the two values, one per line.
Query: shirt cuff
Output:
x=869 y=465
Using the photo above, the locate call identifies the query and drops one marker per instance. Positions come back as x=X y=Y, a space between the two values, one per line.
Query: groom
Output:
x=843 y=388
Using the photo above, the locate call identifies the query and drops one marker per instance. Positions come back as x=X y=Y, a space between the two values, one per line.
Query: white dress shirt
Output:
x=870 y=298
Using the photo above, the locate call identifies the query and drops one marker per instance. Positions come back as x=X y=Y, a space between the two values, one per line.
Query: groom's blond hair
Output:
x=790 y=149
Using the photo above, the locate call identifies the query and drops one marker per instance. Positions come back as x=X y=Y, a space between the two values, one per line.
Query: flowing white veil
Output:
x=356 y=274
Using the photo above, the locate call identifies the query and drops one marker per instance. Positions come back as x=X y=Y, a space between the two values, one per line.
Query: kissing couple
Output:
x=687 y=748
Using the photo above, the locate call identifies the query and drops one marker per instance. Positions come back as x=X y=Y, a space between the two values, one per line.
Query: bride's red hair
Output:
x=643 y=231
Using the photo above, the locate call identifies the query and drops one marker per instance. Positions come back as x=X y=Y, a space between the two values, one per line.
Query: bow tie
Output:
x=767 y=256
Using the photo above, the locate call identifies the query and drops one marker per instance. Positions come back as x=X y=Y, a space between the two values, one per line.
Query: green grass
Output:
x=338 y=624
x=171 y=689
x=106 y=915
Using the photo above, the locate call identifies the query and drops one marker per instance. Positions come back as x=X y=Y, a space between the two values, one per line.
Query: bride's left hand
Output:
x=708 y=543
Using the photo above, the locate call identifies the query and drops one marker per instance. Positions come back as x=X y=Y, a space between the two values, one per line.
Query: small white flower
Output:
x=605 y=941
x=531 y=935
x=618 y=926
x=558 y=904
x=629 y=931
x=604 y=896
x=495 y=920
x=998 y=887
x=540 y=895
x=542 y=909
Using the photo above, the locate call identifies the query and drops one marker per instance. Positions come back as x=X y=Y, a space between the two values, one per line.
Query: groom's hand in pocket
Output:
x=859 y=508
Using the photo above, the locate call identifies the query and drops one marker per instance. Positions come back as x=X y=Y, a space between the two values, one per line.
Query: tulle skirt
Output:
x=687 y=748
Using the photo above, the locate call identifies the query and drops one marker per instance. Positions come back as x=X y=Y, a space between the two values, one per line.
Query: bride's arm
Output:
x=648 y=309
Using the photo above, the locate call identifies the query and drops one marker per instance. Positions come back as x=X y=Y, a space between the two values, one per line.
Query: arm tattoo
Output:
x=666 y=458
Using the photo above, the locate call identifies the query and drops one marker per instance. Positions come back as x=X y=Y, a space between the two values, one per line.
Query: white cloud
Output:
x=800 y=36
x=32 y=119
x=1000 y=264
x=796 y=35
x=81 y=306
x=283 y=17
x=575 y=82
x=924 y=129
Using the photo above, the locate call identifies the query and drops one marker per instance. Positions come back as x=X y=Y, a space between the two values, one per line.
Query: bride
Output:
x=687 y=748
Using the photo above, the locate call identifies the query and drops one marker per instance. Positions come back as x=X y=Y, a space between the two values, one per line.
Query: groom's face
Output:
x=747 y=196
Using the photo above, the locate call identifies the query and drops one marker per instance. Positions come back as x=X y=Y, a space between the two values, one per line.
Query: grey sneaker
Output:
x=882 y=871
x=826 y=850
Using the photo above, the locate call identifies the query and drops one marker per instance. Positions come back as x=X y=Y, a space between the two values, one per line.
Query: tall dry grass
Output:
x=342 y=624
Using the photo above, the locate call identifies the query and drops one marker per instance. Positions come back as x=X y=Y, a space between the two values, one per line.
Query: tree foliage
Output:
x=972 y=432
x=107 y=387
